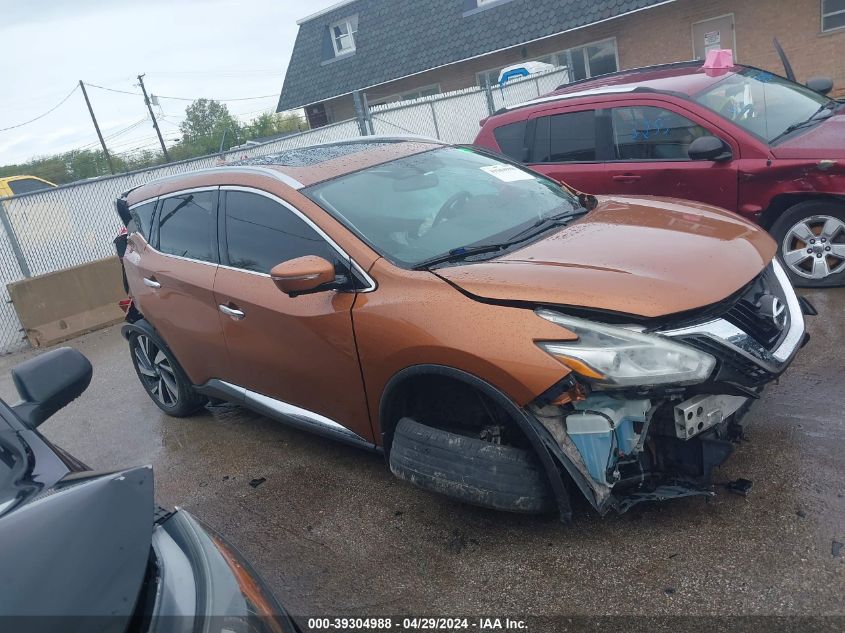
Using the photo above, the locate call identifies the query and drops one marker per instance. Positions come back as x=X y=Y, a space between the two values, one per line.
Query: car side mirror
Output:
x=709 y=148
x=49 y=382
x=822 y=85
x=303 y=275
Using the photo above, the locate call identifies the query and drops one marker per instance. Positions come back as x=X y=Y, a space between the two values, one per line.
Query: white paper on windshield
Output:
x=507 y=173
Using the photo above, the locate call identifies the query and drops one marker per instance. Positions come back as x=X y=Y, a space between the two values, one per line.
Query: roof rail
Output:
x=690 y=62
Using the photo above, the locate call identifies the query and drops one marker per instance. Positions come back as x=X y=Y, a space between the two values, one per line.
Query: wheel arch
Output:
x=783 y=201
x=142 y=326
x=539 y=439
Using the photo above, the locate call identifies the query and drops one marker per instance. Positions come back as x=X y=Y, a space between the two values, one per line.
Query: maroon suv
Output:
x=739 y=138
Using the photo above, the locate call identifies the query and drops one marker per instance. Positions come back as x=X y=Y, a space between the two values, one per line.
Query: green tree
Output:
x=203 y=129
x=271 y=124
x=207 y=124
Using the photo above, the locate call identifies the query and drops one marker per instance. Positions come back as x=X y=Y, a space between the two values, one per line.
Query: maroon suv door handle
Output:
x=626 y=178
x=152 y=283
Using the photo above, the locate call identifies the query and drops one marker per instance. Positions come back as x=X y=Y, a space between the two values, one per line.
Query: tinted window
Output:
x=261 y=233
x=187 y=226
x=142 y=219
x=567 y=137
x=27 y=185
x=649 y=133
x=511 y=139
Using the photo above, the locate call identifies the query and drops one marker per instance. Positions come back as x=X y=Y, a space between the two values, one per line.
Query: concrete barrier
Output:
x=64 y=304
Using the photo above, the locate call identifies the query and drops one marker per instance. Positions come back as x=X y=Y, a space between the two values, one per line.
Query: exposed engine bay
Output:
x=634 y=450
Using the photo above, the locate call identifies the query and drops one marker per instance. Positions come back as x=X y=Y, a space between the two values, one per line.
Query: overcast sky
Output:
x=188 y=48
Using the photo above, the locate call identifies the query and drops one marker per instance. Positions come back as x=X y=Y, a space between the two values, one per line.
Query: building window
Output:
x=833 y=14
x=474 y=6
x=343 y=35
x=592 y=60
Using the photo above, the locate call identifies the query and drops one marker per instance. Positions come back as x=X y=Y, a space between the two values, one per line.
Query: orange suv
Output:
x=501 y=338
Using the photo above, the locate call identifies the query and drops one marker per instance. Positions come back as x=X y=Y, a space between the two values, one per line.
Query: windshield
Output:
x=762 y=103
x=422 y=206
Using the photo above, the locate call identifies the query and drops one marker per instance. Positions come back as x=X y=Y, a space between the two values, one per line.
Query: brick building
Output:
x=393 y=50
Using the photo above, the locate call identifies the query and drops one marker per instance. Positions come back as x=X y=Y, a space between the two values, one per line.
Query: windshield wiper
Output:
x=457 y=254
x=462 y=252
x=548 y=221
x=813 y=118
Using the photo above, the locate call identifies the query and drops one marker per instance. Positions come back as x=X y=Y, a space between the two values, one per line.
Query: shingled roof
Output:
x=397 y=38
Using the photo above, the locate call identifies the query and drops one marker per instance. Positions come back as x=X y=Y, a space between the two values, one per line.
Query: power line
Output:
x=138 y=94
x=41 y=116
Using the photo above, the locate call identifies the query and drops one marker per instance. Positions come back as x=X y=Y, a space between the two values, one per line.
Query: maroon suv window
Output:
x=565 y=138
x=651 y=133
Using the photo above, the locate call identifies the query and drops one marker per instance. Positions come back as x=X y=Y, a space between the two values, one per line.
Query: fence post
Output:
x=434 y=119
x=367 y=115
x=488 y=92
x=13 y=240
x=359 y=112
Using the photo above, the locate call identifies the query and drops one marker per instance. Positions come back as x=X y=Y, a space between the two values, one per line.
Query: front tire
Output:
x=470 y=470
x=811 y=243
x=162 y=378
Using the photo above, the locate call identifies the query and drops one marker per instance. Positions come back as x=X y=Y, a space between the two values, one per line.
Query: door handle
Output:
x=152 y=283
x=626 y=178
x=236 y=314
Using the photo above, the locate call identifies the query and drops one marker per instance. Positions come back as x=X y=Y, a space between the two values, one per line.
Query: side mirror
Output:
x=822 y=85
x=709 y=148
x=302 y=275
x=49 y=382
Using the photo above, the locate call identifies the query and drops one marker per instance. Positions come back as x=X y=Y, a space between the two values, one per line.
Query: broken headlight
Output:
x=617 y=357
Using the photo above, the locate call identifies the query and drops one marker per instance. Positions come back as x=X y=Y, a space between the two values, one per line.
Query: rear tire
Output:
x=811 y=243
x=468 y=469
x=162 y=377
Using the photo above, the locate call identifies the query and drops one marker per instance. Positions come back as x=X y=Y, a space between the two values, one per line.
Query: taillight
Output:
x=125 y=304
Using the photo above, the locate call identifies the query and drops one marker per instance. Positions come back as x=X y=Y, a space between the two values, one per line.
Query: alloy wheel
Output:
x=156 y=371
x=814 y=248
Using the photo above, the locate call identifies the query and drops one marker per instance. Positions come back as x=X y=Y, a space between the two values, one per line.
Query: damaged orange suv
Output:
x=496 y=335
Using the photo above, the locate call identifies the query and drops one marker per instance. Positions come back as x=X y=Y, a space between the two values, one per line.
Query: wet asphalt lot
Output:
x=333 y=532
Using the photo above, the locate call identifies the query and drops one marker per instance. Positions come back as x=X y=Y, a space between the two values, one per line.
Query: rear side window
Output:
x=187 y=226
x=27 y=185
x=511 y=139
x=565 y=138
x=261 y=233
x=651 y=133
x=142 y=219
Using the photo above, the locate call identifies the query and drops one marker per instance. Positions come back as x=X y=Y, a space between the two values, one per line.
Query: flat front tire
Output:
x=162 y=378
x=811 y=243
x=470 y=470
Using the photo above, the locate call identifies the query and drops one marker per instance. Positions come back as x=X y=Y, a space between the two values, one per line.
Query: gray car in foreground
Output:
x=91 y=551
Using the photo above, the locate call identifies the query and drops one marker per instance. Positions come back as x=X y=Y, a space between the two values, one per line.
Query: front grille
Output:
x=732 y=366
x=747 y=316
x=744 y=314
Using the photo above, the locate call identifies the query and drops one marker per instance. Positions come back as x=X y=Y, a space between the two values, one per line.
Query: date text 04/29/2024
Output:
x=418 y=624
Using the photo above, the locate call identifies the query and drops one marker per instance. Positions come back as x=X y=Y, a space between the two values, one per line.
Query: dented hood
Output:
x=824 y=140
x=643 y=256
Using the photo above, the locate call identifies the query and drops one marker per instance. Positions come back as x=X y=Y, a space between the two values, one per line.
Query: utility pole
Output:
x=96 y=127
x=153 y=116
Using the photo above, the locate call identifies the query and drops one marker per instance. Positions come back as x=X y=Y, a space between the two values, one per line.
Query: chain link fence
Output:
x=454 y=116
x=73 y=224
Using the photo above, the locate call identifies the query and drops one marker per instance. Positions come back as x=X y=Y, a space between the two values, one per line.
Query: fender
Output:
x=546 y=449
